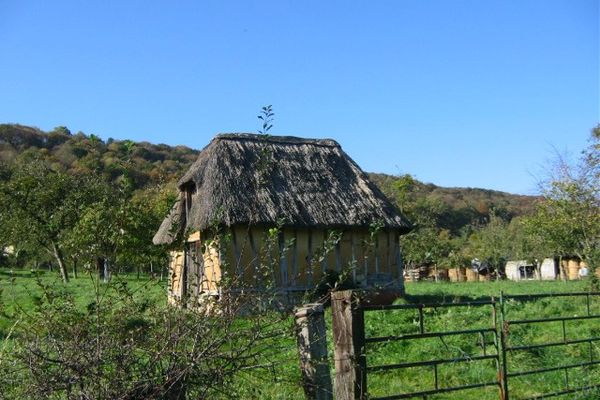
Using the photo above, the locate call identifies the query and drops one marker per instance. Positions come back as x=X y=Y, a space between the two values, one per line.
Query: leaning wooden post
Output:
x=312 y=346
x=349 y=346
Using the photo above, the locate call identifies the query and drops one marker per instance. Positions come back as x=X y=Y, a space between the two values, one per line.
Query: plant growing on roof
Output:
x=266 y=116
x=264 y=164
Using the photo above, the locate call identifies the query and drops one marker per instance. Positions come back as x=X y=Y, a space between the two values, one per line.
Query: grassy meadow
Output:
x=22 y=290
x=398 y=322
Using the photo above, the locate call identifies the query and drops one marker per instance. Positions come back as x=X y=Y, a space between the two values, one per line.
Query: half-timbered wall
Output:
x=176 y=276
x=293 y=259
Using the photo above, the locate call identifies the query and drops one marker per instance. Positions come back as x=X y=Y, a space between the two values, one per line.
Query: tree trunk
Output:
x=137 y=267
x=106 y=271
x=74 y=269
x=61 y=262
x=100 y=268
x=563 y=272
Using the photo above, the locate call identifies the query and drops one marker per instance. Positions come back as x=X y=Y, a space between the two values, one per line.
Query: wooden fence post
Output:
x=349 y=346
x=312 y=346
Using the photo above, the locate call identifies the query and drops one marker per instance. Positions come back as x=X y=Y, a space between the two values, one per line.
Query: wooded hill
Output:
x=145 y=163
x=453 y=208
x=150 y=164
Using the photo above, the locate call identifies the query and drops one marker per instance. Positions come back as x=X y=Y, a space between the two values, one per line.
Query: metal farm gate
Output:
x=524 y=350
x=569 y=344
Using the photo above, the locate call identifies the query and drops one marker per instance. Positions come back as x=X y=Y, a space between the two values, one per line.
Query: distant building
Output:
x=519 y=270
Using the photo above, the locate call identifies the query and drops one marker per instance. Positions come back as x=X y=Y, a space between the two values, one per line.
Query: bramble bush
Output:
x=121 y=345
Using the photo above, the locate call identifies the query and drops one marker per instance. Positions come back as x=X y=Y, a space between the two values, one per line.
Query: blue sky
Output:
x=457 y=93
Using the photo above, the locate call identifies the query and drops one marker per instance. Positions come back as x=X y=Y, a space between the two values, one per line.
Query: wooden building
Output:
x=257 y=210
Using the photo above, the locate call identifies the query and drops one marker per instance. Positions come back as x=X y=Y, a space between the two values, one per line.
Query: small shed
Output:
x=520 y=270
x=324 y=211
x=547 y=269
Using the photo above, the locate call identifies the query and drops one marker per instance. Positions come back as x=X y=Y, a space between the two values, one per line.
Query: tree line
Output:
x=75 y=199
x=563 y=221
x=143 y=163
x=77 y=217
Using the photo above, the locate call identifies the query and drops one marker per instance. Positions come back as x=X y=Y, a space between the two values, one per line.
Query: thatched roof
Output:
x=260 y=180
x=171 y=225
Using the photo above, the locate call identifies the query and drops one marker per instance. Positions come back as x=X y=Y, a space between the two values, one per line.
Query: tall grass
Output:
x=280 y=378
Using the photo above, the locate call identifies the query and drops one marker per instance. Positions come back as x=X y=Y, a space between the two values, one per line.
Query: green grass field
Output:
x=450 y=374
x=21 y=291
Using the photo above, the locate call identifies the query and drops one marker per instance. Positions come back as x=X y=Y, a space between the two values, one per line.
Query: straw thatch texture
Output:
x=170 y=227
x=262 y=180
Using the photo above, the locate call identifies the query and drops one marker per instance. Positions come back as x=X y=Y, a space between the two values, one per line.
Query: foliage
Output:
x=119 y=227
x=567 y=221
x=453 y=225
x=141 y=178
x=428 y=243
x=456 y=208
x=39 y=206
x=279 y=375
x=147 y=164
x=120 y=344
x=136 y=170
x=491 y=242
x=266 y=116
x=77 y=216
x=449 y=221
x=265 y=161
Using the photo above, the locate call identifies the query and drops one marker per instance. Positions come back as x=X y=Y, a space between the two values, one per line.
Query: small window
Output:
x=527 y=271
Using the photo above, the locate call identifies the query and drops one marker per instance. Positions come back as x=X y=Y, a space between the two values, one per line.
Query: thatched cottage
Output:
x=299 y=206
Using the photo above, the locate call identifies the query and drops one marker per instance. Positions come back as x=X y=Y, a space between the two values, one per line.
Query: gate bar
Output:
x=539 y=371
x=432 y=392
x=426 y=305
x=553 y=319
x=378 y=339
x=551 y=344
x=379 y=368
x=563 y=392
x=503 y=346
x=542 y=295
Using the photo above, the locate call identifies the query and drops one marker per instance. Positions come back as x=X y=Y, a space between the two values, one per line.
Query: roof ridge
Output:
x=254 y=137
